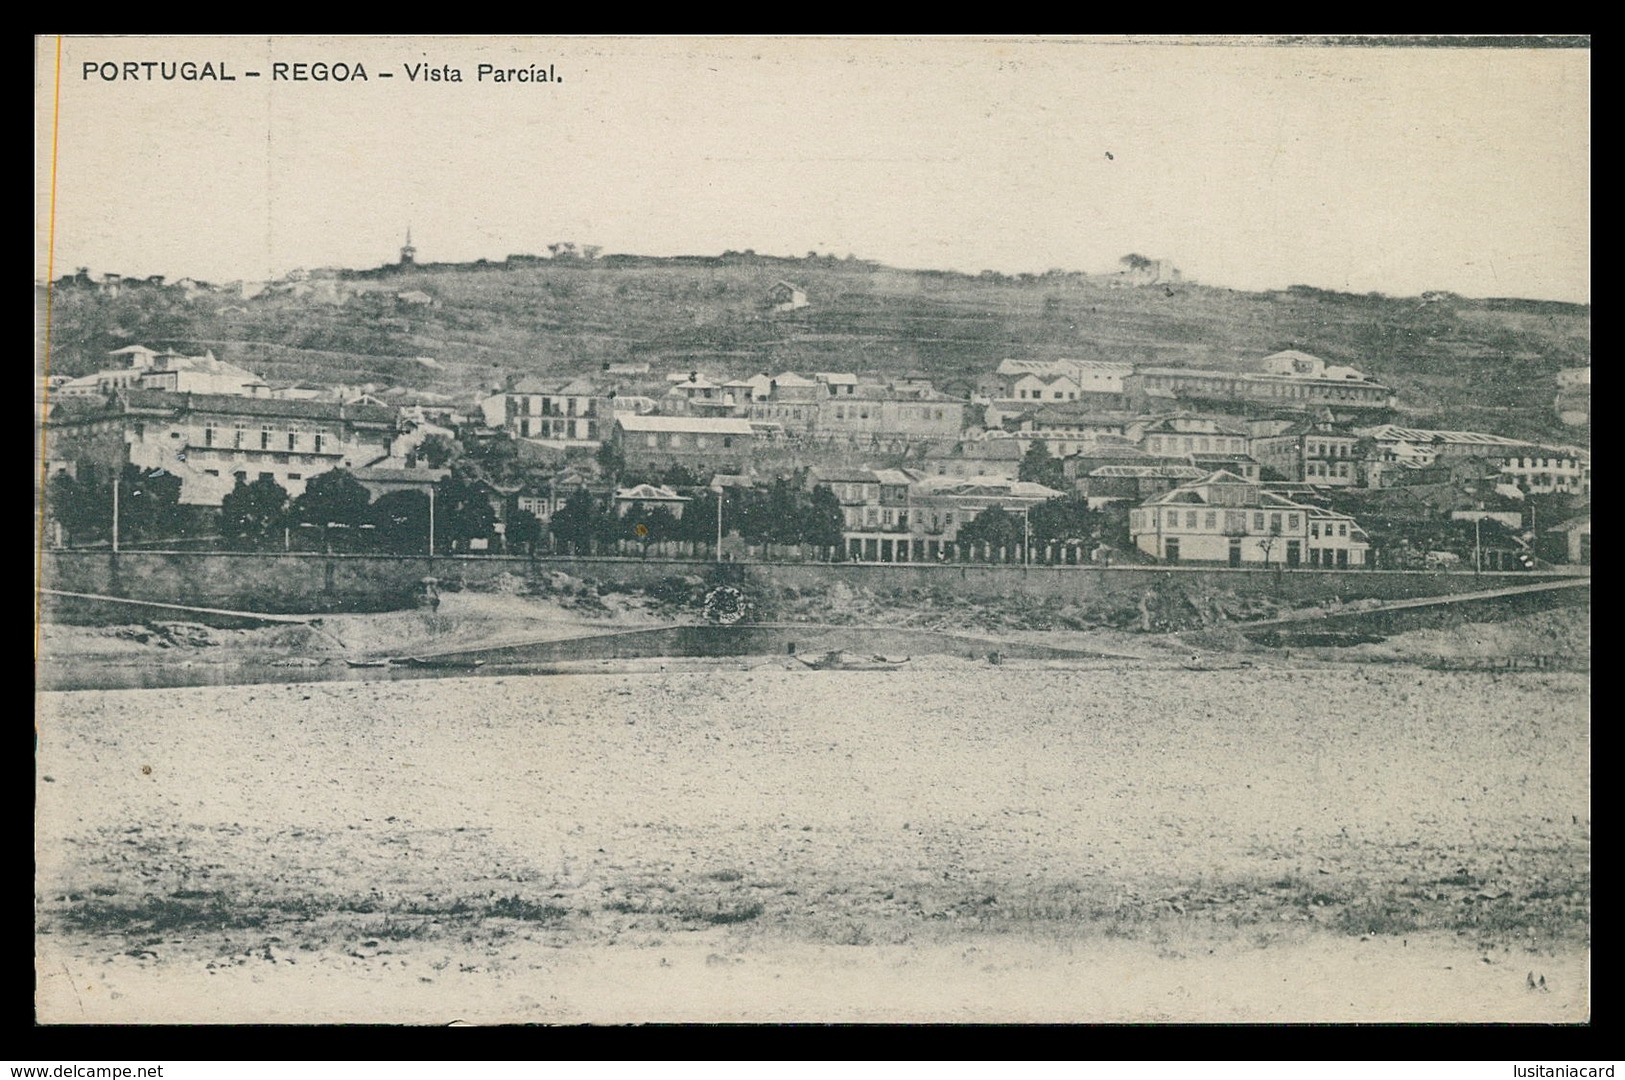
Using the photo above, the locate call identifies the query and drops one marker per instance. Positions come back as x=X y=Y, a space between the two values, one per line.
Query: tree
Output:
x=253 y=514
x=438 y=451
x=524 y=531
x=658 y=524
x=83 y=508
x=1063 y=520
x=1135 y=261
x=575 y=523
x=149 y=504
x=401 y=522
x=462 y=510
x=823 y=520
x=333 y=499
x=1038 y=466
x=993 y=527
x=610 y=458
x=679 y=476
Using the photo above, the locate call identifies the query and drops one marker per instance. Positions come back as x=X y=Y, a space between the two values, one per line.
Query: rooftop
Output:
x=709 y=425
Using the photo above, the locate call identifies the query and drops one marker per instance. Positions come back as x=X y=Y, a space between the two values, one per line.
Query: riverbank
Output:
x=1027 y=843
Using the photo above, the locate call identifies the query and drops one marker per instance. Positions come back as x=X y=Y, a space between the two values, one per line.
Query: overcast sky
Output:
x=1390 y=169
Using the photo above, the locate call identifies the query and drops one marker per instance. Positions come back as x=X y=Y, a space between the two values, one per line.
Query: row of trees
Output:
x=148 y=505
x=1063 y=520
x=335 y=507
x=782 y=513
x=337 y=512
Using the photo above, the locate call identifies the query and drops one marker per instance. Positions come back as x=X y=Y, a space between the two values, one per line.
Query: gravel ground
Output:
x=957 y=842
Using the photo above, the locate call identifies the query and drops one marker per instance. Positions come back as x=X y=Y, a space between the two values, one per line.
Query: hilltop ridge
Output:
x=1455 y=362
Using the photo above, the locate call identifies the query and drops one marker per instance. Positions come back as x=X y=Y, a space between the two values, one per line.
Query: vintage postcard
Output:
x=806 y=529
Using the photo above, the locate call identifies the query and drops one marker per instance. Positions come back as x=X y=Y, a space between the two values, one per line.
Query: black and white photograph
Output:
x=750 y=529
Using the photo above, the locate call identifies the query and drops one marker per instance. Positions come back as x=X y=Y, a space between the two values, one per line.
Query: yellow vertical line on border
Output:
x=45 y=374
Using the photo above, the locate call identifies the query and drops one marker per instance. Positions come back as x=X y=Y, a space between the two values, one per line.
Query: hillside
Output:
x=1483 y=364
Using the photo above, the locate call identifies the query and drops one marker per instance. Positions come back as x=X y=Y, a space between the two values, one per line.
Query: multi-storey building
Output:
x=1064 y=429
x=722 y=443
x=1181 y=436
x=1319 y=454
x=871 y=411
x=1231 y=388
x=572 y=412
x=1222 y=519
x=213 y=441
x=874 y=511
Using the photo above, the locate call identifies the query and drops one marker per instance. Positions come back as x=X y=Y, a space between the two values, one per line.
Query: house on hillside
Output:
x=201 y=375
x=571 y=412
x=786 y=296
x=975 y=459
x=1309 y=452
x=724 y=444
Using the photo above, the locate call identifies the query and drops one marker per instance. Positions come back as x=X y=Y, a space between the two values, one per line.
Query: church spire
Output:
x=409 y=254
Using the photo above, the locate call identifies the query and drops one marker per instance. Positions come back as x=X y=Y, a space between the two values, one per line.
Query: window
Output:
x=1275 y=523
x=1190 y=519
x=1292 y=522
x=211 y=472
x=1258 y=522
x=727 y=442
x=321 y=440
x=265 y=438
x=267 y=476
x=208 y=434
x=1314 y=529
x=1342 y=528
x=296 y=476
x=238 y=434
x=1211 y=520
x=240 y=476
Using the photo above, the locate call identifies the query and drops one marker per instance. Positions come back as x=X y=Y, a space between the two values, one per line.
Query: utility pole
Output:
x=720 y=493
x=117 y=479
x=431 y=521
x=1478 y=547
x=1026 y=538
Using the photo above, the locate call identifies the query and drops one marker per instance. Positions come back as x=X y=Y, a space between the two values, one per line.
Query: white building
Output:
x=1224 y=520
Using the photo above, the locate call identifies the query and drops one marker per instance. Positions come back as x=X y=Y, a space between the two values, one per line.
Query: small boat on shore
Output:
x=449 y=662
x=839 y=661
x=367 y=663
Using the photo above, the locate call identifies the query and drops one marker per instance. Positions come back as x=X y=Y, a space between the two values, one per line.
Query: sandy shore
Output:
x=956 y=843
